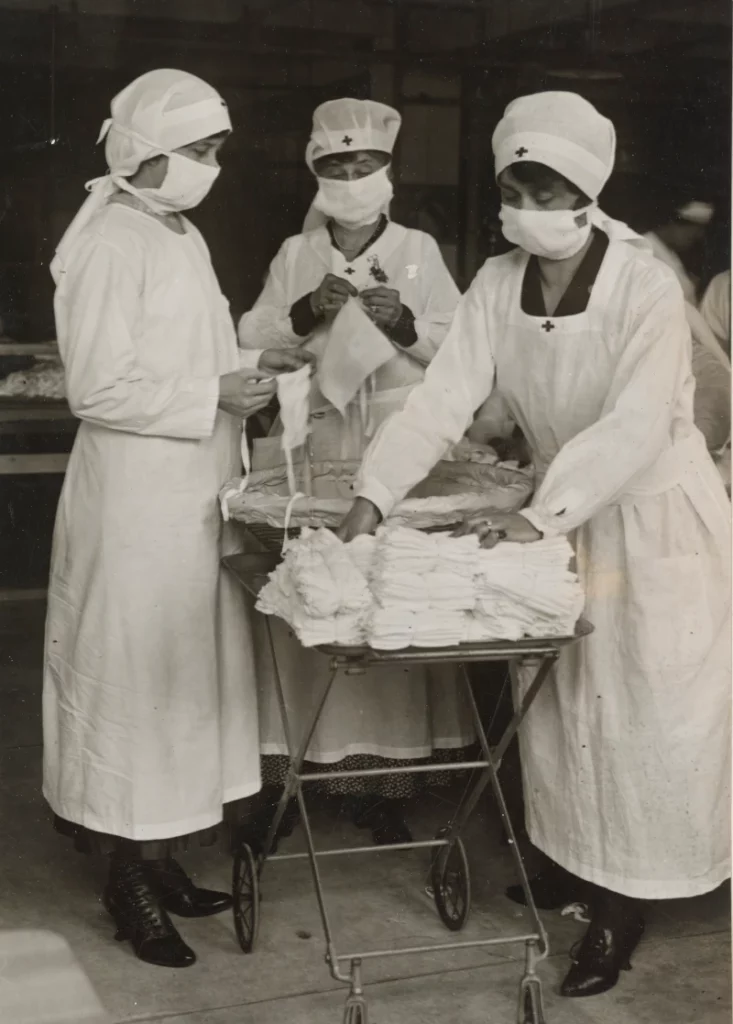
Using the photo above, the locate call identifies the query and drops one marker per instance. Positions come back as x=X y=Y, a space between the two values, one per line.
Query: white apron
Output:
x=629 y=735
x=149 y=705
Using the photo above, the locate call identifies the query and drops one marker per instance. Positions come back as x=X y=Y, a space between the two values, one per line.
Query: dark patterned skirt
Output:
x=387 y=787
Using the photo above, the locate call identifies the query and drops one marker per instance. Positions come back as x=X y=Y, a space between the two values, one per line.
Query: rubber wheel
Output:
x=451 y=883
x=246 y=893
x=355 y=1011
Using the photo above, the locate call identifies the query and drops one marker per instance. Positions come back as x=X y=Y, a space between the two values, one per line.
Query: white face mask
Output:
x=553 y=234
x=354 y=204
x=187 y=182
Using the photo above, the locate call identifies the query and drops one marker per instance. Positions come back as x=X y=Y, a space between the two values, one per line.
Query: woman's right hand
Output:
x=244 y=392
x=362 y=517
x=331 y=295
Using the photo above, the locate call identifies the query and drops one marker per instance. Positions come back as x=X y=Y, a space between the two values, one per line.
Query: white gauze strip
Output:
x=293 y=393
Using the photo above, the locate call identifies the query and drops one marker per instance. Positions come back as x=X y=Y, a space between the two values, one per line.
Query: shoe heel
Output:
x=121 y=933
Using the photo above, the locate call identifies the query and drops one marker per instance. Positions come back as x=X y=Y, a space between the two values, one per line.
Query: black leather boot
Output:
x=614 y=933
x=552 y=888
x=133 y=904
x=384 y=818
x=178 y=895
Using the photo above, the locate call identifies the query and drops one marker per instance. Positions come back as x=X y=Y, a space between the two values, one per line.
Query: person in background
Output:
x=626 y=753
x=351 y=248
x=149 y=699
x=715 y=308
x=673 y=241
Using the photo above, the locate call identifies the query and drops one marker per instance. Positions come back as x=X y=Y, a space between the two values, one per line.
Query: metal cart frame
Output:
x=449 y=866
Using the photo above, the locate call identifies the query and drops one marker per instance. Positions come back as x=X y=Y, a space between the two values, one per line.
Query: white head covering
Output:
x=696 y=213
x=156 y=114
x=348 y=126
x=562 y=131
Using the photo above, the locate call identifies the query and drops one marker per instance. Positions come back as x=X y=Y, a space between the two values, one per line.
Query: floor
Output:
x=681 y=971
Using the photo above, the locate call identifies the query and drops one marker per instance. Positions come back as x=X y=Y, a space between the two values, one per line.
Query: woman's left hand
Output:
x=493 y=529
x=383 y=305
x=284 y=360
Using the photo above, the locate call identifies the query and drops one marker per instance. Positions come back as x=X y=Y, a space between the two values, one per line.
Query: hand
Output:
x=383 y=305
x=284 y=360
x=362 y=517
x=330 y=295
x=493 y=529
x=245 y=392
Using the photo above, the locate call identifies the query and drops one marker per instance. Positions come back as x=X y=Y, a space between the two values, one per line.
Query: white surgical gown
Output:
x=149 y=704
x=413 y=265
x=392 y=712
x=715 y=308
x=626 y=752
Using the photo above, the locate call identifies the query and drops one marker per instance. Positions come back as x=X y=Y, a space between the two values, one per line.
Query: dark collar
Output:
x=377 y=233
x=577 y=294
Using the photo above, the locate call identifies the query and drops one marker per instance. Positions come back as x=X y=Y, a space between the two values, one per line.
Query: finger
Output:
x=255 y=374
x=464 y=529
x=259 y=390
x=295 y=360
x=489 y=541
x=379 y=292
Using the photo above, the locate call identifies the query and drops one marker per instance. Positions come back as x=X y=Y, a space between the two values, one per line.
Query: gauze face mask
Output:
x=552 y=234
x=187 y=182
x=354 y=204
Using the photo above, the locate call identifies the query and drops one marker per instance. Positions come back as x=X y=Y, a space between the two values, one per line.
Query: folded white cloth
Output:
x=373 y=590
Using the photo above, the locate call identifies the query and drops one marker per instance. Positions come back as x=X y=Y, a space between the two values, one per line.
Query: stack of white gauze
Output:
x=320 y=589
x=525 y=590
x=404 y=588
x=423 y=585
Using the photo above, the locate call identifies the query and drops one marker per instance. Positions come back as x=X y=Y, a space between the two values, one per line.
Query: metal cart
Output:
x=449 y=870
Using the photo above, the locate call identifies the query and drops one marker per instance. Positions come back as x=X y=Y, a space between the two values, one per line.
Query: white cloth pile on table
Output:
x=404 y=588
x=525 y=590
x=320 y=589
x=44 y=380
x=423 y=585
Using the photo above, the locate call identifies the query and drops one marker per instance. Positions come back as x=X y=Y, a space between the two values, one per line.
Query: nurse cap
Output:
x=348 y=125
x=561 y=130
x=158 y=112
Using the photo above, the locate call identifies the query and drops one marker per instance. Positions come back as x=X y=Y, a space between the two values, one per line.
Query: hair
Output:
x=345 y=158
x=540 y=176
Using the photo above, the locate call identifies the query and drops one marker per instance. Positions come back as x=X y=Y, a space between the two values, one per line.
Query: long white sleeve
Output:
x=437 y=412
x=98 y=310
x=440 y=298
x=268 y=323
x=715 y=308
x=597 y=466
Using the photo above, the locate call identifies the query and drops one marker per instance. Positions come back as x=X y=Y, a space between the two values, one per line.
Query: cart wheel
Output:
x=246 y=892
x=451 y=882
x=355 y=1011
x=531 y=1009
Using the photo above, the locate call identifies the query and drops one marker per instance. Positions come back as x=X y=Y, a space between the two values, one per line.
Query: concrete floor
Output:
x=681 y=971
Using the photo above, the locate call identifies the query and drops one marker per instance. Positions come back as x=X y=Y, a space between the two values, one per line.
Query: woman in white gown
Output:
x=149 y=702
x=352 y=248
x=626 y=752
